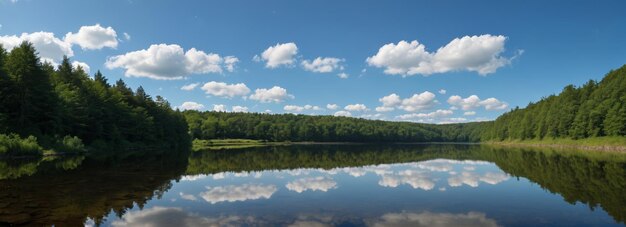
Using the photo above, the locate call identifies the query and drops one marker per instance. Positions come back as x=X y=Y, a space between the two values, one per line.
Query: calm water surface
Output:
x=314 y=185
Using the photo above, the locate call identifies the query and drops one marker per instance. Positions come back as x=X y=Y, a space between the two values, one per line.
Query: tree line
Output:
x=52 y=104
x=290 y=127
x=594 y=109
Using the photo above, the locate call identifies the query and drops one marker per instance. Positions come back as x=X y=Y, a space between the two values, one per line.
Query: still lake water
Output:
x=321 y=185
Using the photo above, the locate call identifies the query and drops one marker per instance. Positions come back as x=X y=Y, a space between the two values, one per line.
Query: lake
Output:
x=320 y=185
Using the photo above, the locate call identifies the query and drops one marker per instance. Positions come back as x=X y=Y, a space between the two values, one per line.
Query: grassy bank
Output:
x=613 y=143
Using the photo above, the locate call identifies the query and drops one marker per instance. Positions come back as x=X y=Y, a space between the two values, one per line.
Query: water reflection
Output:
x=234 y=193
x=176 y=216
x=387 y=185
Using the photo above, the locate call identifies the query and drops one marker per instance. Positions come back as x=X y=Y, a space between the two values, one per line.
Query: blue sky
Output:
x=507 y=54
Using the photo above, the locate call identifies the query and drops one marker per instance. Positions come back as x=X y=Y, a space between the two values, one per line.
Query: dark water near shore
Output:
x=320 y=185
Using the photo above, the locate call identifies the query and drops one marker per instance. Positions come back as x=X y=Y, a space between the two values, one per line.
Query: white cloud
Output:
x=494 y=104
x=159 y=216
x=233 y=193
x=480 y=54
x=219 y=108
x=332 y=106
x=83 y=65
x=313 y=183
x=472 y=179
x=189 y=197
x=229 y=63
x=422 y=101
x=414 y=178
x=355 y=107
x=189 y=87
x=280 y=54
x=294 y=108
x=384 y=109
x=342 y=113
x=432 y=115
x=168 y=62
x=343 y=75
x=473 y=102
x=126 y=36
x=241 y=109
x=93 y=37
x=469 y=113
x=274 y=94
x=191 y=106
x=389 y=102
x=322 y=65
x=49 y=47
x=222 y=89
x=471 y=219
x=442 y=91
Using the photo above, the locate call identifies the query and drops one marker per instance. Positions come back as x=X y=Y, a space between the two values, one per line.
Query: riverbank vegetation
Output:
x=62 y=109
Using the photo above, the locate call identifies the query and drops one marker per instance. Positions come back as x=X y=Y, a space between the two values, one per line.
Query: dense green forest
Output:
x=63 y=109
x=290 y=127
x=593 y=110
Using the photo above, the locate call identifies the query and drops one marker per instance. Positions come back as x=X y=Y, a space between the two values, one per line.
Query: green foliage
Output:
x=13 y=144
x=289 y=127
x=37 y=99
x=595 y=109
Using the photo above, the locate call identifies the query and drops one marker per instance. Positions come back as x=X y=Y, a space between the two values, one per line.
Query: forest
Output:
x=596 y=109
x=62 y=109
x=290 y=127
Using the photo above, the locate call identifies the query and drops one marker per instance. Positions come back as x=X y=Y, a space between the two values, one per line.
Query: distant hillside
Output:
x=593 y=110
x=290 y=127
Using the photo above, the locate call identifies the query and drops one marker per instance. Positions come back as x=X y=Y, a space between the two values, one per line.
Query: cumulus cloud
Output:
x=343 y=75
x=442 y=91
x=432 y=115
x=389 y=102
x=51 y=49
x=313 y=184
x=332 y=106
x=233 y=193
x=222 y=89
x=322 y=65
x=241 y=109
x=342 y=113
x=219 y=108
x=189 y=87
x=481 y=54
x=355 y=107
x=191 y=106
x=422 y=101
x=83 y=65
x=274 y=94
x=169 y=62
x=93 y=37
x=295 y=108
x=473 y=102
x=432 y=220
x=278 y=55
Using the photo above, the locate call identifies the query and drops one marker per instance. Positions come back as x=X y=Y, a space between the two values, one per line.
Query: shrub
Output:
x=13 y=144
